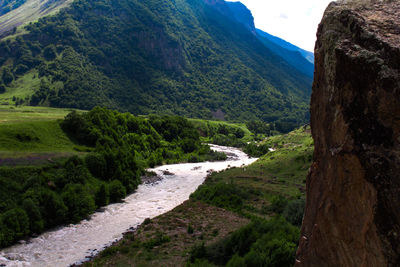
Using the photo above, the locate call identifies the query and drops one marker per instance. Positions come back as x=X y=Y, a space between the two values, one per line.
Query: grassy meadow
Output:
x=33 y=134
x=22 y=88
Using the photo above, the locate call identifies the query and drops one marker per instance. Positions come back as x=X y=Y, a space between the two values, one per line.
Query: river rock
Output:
x=167 y=172
x=352 y=215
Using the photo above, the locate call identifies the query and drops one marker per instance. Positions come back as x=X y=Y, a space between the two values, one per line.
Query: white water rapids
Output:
x=71 y=244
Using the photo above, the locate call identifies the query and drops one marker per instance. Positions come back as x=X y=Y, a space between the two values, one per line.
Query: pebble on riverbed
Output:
x=166 y=172
x=151 y=179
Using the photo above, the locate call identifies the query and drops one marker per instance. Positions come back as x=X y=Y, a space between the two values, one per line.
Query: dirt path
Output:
x=31 y=158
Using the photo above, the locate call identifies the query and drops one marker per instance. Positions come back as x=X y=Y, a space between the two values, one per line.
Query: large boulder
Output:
x=352 y=215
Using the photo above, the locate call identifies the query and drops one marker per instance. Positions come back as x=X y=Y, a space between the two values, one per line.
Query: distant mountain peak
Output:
x=243 y=15
x=221 y=6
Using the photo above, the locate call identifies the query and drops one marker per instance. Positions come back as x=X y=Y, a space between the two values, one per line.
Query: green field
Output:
x=34 y=133
x=21 y=114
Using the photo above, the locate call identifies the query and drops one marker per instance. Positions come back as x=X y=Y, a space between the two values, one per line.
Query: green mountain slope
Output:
x=186 y=57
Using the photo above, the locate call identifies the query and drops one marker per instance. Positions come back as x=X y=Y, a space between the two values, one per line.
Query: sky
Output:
x=292 y=20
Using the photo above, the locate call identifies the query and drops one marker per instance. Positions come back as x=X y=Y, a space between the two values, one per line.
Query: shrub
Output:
x=236 y=261
x=36 y=222
x=21 y=69
x=260 y=243
x=200 y=263
x=117 y=191
x=78 y=201
x=278 y=204
x=190 y=229
x=97 y=165
x=15 y=224
x=198 y=251
x=228 y=196
x=49 y=52
x=102 y=196
x=75 y=170
x=52 y=207
x=26 y=137
x=158 y=240
x=294 y=211
x=280 y=252
x=256 y=150
x=7 y=76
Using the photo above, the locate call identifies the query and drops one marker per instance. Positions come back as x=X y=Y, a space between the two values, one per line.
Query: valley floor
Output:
x=209 y=219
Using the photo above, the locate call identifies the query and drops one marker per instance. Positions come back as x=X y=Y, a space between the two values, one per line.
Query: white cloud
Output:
x=292 y=20
x=283 y=16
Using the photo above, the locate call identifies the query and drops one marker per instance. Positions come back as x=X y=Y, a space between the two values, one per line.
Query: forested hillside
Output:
x=182 y=57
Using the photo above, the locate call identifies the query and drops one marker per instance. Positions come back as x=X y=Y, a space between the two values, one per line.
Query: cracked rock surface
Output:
x=352 y=215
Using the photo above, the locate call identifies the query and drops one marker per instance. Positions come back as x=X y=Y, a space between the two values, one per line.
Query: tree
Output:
x=52 y=208
x=236 y=261
x=49 y=52
x=15 y=224
x=78 y=201
x=7 y=76
x=294 y=211
x=21 y=69
x=278 y=204
x=102 y=196
x=117 y=191
x=75 y=170
x=97 y=165
x=36 y=223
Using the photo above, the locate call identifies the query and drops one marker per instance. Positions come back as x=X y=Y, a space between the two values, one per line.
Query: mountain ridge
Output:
x=179 y=57
x=243 y=15
x=299 y=58
x=293 y=57
x=287 y=45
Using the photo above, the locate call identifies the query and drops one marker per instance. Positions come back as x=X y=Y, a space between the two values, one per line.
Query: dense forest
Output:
x=181 y=57
x=119 y=146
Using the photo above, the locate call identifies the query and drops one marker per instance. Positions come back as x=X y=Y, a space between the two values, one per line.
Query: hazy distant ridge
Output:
x=306 y=54
x=300 y=59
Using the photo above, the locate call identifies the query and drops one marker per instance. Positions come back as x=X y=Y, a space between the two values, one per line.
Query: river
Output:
x=73 y=243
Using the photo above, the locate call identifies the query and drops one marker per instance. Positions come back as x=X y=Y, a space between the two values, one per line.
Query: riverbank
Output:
x=167 y=239
x=70 y=244
x=196 y=229
x=56 y=172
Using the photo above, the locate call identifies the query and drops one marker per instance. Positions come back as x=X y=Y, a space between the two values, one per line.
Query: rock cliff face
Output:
x=352 y=215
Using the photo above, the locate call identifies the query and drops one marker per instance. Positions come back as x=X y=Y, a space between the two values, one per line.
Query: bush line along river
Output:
x=73 y=243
